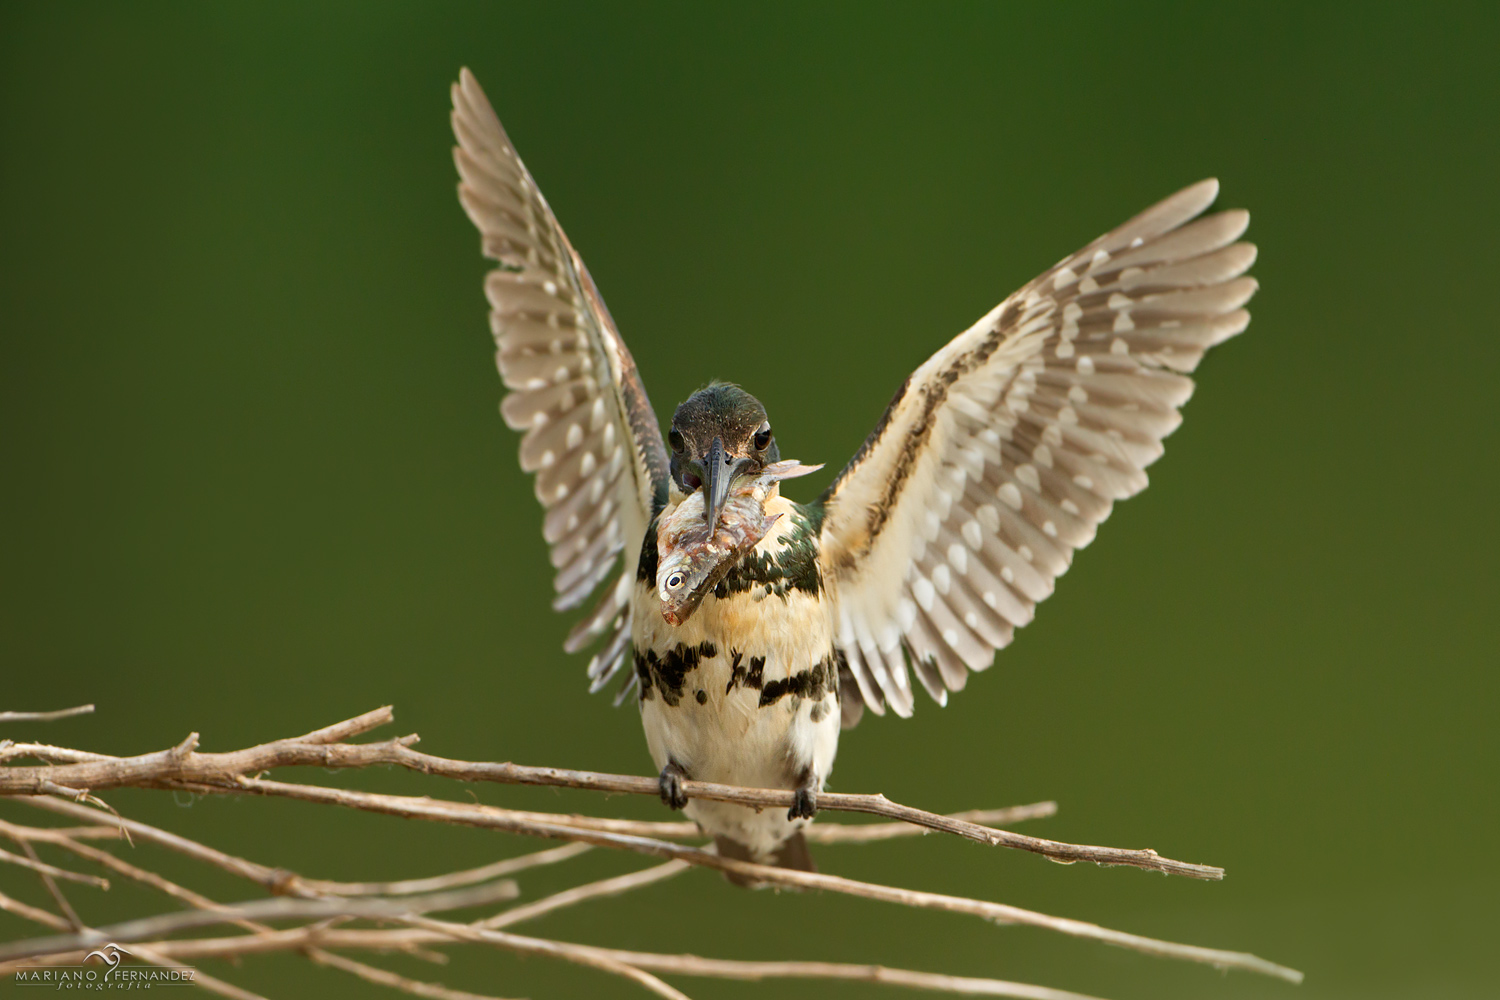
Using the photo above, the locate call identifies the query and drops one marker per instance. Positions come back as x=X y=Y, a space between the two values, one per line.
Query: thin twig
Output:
x=687 y=965
x=280 y=880
x=865 y=833
x=61 y=713
x=48 y=753
x=440 y=811
x=48 y=834
x=42 y=867
x=277 y=880
x=261 y=910
x=453 y=880
x=384 y=977
x=369 y=972
x=183 y=766
x=200 y=978
x=32 y=913
x=580 y=955
x=593 y=890
x=146 y=954
x=718 y=968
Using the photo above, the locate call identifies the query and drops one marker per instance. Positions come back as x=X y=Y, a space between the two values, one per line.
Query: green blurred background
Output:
x=254 y=480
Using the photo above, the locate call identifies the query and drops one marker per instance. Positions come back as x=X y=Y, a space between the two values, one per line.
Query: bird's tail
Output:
x=792 y=853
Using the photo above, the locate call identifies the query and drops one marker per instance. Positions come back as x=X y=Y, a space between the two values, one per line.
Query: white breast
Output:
x=729 y=720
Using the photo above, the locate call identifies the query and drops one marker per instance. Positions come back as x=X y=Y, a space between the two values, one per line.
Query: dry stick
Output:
x=826 y=832
x=718 y=968
x=283 y=882
x=47 y=834
x=462 y=813
x=200 y=978
x=48 y=753
x=182 y=766
x=592 y=890
x=61 y=713
x=365 y=971
x=424 y=808
x=276 y=880
x=820 y=833
x=680 y=964
x=73 y=921
x=453 y=880
x=38 y=865
x=692 y=965
x=33 y=914
x=568 y=897
x=55 y=922
x=53 y=890
x=141 y=875
x=554 y=949
x=864 y=833
x=260 y=910
x=305 y=938
x=384 y=977
x=686 y=965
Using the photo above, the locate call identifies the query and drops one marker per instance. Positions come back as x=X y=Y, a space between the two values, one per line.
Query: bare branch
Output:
x=261 y=910
x=384 y=977
x=61 y=713
x=469 y=876
x=450 y=812
x=578 y=954
x=182 y=766
x=276 y=880
x=50 y=754
x=200 y=978
x=33 y=914
x=50 y=834
x=42 y=867
x=865 y=833
x=77 y=774
x=341 y=731
x=718 y=968
x=280 y=880
x=687 y=965
x=602 y=889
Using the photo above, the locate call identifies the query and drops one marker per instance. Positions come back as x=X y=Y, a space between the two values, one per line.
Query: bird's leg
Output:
x=805 y=798
x=670 y=782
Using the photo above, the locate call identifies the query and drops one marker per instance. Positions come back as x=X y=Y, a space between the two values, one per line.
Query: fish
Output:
x=693 y=556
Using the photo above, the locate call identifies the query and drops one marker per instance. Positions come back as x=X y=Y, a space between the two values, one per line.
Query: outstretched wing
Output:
x=1003 y=452
x=591 y=435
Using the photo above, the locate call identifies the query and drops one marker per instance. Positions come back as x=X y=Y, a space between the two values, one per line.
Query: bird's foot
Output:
x=670 y=782
x=804 y=804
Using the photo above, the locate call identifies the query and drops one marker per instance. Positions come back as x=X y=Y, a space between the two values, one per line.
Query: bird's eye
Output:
x=763 y=437
x=675 y=440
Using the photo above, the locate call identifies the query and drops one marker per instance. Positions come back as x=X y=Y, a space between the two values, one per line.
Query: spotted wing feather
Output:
x=1005 y=450
x=591 y=436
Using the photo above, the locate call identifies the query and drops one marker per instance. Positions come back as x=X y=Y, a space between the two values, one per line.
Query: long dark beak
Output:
x=718 y=475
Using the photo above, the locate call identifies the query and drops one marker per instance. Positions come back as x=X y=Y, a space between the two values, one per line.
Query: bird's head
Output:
x=719 y=434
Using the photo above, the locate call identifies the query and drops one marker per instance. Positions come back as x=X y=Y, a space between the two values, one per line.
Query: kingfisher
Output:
x=992 y=464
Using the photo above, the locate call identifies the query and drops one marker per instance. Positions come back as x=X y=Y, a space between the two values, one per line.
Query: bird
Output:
x=993 y=463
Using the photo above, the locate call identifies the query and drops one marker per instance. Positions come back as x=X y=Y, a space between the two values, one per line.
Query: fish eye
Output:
x=674 y=581
x=675 y=440
x=763 y=436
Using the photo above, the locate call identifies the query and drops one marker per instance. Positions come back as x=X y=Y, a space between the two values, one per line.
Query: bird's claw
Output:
x=804 y=804
x=670 y=782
